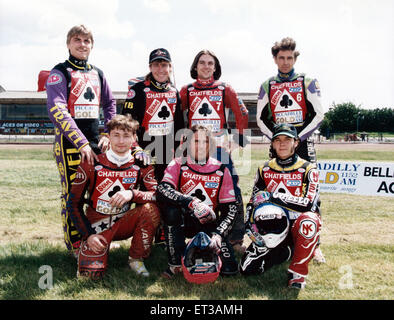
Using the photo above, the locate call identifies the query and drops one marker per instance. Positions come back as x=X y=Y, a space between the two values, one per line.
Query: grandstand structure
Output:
x=25 y=112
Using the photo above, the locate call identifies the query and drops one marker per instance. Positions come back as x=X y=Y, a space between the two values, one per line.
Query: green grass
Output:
x=357 y=240
x=359 y=155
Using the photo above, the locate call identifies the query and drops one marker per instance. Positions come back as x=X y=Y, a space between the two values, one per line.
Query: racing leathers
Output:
x=75 y=92
x=156 y=107
x=291 y=98
x=208 y=103
x=92 y=188
x=293 y=184
x=184 y=183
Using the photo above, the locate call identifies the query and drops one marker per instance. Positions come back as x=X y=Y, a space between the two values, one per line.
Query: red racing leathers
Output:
x=100 y=182
x=208 y=103
x=294 y=187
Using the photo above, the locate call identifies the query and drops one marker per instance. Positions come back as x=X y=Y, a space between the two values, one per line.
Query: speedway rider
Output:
x=207 y=102
x=197 y=194
x=75 y=92
x=154 y=102
x=290 y=97
x=283 y=218
x=112 y=185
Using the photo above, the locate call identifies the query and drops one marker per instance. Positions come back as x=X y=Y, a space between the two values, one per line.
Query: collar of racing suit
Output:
x=205 y=83
x=160 y=85
x=285 y=76
x=193 y=161
x=210 y=165
x=287 y=162
x=82 y=64
x=118 y=160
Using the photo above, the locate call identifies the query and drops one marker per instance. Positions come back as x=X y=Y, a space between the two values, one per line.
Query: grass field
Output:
x=357 y=240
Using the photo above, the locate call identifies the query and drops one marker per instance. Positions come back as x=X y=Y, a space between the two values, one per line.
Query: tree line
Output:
x=346 y=117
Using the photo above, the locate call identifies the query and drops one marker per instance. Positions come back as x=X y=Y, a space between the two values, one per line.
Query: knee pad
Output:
x=307 y=226
x=305 y=233
x=91 y=264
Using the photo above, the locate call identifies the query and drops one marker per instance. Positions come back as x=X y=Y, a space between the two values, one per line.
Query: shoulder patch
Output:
x=131 y=82
x=54 y=78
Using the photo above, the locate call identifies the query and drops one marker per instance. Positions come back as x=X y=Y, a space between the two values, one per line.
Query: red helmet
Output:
x=200 y=263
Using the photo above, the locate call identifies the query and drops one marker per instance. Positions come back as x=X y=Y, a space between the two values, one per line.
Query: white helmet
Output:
x=269 y=225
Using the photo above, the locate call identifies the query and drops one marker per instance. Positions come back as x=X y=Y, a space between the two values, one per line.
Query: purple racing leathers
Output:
x=75 y=92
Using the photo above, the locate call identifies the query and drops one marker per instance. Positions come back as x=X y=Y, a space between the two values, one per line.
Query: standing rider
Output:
x=154 y=102
x=75 y=92
x=290 y=97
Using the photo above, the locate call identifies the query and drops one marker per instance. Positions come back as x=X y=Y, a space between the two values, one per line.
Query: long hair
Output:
x=207 y=132
x=218 y=69
x=188 y=136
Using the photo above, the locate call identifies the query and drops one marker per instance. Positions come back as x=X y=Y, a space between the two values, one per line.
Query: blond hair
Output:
x=79 y=30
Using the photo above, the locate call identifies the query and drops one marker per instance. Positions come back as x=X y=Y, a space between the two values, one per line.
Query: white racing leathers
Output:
x=296 y=100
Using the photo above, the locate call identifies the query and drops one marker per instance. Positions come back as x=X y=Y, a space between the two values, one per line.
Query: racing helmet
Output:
x=269 y=225
x=200 y=263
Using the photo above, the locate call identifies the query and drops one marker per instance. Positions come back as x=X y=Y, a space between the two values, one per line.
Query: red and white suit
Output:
x=101 y=181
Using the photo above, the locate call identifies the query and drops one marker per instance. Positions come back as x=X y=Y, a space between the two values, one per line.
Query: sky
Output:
x=348 y=45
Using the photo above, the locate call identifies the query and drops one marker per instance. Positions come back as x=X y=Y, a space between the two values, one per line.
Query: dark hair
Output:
x=218 y=69
x=272 y=153
x=284 y=45
x=123 y=122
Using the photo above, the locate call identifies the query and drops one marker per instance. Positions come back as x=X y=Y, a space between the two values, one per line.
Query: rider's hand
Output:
x=87 y=154
x=97 y=243
x=120 y=198
x=104 y=143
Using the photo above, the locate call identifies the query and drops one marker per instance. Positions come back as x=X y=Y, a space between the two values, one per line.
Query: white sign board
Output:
x=353 y=177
